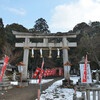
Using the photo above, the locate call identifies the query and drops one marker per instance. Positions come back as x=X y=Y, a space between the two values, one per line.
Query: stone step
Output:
x=4 y=83
x=6 y=87
x=23 y=84
x=5 y=79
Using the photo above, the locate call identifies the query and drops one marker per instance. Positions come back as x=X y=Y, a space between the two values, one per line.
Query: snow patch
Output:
x=36 y=81
x=14 y=83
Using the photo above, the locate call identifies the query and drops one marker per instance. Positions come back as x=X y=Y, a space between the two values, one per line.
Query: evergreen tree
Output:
x=2 y=34
x=41 y=26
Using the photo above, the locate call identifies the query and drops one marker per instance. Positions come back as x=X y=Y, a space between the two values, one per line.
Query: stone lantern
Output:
x=20 y=69
x=67 y=82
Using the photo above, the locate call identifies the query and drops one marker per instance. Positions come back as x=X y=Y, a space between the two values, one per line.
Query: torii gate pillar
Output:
x=25 y=59
x=65 y=55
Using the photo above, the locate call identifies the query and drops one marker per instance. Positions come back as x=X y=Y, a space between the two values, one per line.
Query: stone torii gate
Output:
x=64 y=45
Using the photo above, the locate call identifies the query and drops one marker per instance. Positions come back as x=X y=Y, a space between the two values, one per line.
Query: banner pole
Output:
x=40 y=89
x=38 y=94
x=41 y=79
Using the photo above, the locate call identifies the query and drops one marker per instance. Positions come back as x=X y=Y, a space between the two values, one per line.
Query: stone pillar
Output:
x=25 y=59
x=74 y=96
x=65 y=55
x=45 y=40
x=14 y=76
x=97 y=76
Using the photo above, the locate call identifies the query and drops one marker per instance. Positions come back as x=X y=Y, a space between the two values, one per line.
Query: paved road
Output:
x=26 y=93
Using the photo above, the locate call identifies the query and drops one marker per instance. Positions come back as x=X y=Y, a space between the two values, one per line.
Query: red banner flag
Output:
x=36 y=72
x=85 y=71
x=40 y=74
x=41 y=71
x=49 y=72
x=45 y=73
x=4 y=67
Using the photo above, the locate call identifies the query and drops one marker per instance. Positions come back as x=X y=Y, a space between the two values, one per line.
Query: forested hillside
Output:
x=88 y=39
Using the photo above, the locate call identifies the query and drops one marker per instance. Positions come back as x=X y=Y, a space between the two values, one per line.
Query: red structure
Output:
x=58 y=71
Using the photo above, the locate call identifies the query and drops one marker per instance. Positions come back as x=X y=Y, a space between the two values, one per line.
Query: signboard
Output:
x=89 y=77
x=67 y=68
x=20 y=69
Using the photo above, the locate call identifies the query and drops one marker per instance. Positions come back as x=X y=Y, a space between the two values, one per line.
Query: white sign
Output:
x=32 y=51
x=67 y=68
x=58 y=52
x=89 y=77
x=20 y=69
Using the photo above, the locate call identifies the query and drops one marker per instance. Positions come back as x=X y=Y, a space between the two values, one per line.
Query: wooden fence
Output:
x=96 y=93
x=91 y=94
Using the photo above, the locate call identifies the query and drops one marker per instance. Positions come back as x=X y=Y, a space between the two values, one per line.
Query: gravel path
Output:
x=26 y=93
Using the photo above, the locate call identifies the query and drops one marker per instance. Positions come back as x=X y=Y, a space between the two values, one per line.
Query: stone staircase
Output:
x=5 y=84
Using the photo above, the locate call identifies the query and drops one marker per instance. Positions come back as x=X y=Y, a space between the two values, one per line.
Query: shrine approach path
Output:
x=26 y=93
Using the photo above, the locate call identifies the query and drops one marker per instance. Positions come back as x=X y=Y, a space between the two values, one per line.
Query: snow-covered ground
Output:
x=54 y=92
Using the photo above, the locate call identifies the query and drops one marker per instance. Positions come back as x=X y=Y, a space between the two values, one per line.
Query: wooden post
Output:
x=83 y=96
x=68 y=77
x=94 y=95
x=21 y=78
x=98 y=95
x=38 y=94
x=74 y=96
x=88 y=94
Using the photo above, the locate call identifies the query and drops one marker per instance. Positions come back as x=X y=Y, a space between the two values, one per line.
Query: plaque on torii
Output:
x=64 y=45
